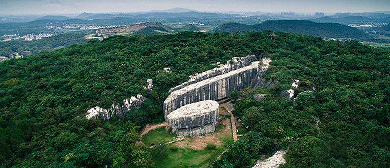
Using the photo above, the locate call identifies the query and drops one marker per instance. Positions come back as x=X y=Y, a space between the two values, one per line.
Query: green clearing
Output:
x=158 y=136
x=184 y=157
x=171 y=156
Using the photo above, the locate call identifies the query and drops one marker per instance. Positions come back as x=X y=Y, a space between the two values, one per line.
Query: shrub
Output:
x=211 y=147
x=174 y=148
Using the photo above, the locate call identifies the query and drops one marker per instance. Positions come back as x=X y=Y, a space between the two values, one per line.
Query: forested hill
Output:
x=340 y=117
x=326 y=30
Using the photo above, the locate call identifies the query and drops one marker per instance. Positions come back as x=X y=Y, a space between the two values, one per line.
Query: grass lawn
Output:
x=171 y=156
x=158 y=136
x=183 y=157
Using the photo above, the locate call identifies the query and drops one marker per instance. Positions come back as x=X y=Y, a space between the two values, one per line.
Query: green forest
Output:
x=338 y=118
x=325 y=30
x=43 y=45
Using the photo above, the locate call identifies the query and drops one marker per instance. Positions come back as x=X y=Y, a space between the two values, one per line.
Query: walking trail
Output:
x=229 y=108
x=153 y=127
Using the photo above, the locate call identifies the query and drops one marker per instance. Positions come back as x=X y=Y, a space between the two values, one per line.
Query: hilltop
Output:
x=338 y=116
x=142 y=28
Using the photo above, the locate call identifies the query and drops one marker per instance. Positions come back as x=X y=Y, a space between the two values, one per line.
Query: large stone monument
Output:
x=215 y=84
x=194 y=119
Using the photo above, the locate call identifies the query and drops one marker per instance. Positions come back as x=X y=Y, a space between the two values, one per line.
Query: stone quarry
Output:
x=194 y=119
x=215 y=84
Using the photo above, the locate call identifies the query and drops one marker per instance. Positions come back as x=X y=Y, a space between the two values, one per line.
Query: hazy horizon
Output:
x=44 y=7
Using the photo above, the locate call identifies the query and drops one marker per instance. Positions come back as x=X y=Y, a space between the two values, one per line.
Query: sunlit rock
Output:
x=259 y=97
x=150 y=85
x=274 y=161
x=295 y=84
x=288 y=93
x=194 y=119
x=116 y=109
x=167 y=70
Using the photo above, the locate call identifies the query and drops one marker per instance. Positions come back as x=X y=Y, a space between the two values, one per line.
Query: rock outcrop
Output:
x=274 y=161
x=194 y=119
x=116 y=109
x=259 y=97
x=167 y=70
x=218 y=83
x=290 y=93
x=150 y=85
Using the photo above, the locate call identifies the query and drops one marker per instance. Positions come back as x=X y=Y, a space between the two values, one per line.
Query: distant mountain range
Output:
x=174 y=10
x=352 y=19
x=54 y=17
x=326 y=30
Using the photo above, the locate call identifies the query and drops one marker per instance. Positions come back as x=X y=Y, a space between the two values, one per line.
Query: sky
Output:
x=15 y=7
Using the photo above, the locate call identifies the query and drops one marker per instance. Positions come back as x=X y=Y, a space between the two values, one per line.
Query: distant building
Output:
x=15 y=55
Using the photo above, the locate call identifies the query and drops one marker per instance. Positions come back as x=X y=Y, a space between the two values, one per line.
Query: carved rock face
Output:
x=194 y=119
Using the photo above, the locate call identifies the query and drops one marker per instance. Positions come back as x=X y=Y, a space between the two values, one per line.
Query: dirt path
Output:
x=229 y=107
x=234 y=129
x=153 y=127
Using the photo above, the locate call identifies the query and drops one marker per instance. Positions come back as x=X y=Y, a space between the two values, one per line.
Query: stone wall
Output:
x=194 y=119
x=116 y=109
x=217 y=83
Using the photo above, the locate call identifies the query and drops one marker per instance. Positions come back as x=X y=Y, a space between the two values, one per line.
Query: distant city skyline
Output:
x=43 y=7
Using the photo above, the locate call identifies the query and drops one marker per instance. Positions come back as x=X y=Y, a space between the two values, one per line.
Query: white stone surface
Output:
x=272 y=162
x=295 y=84
x=194 y=119
x=134 y=102
x=212 y=88
x=291 y=93
x=219 y=82
x=233 y=64
x=150 y=84
x=194 y=109
x=167 y=70
x=94 y=112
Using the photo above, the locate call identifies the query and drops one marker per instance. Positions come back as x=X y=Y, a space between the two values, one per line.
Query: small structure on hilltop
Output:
x=195 y=119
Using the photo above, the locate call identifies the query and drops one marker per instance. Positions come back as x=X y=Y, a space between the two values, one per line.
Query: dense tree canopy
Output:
x=339 y=116
x=43 y=45
x=43 y=100
x=326 y=30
